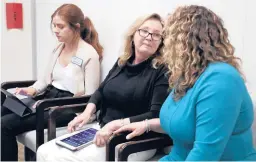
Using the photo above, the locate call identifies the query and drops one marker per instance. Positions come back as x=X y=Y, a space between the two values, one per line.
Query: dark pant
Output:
x=13 y=125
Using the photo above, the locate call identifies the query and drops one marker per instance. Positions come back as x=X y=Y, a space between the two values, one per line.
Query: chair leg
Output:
x=29 y=155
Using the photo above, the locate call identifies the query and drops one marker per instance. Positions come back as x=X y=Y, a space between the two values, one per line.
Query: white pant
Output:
x=52 y=152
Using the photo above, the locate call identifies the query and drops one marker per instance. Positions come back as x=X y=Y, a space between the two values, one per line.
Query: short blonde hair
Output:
x=128 y=43
x=194 y=37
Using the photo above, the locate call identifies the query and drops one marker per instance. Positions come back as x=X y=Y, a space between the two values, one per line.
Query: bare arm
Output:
x=90 y=109
x=154 y=125
x=138 y=128
x=83 y=118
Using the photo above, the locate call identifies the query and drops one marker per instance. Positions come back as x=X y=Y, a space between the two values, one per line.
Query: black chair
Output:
x=75 y=104
x=144 y=142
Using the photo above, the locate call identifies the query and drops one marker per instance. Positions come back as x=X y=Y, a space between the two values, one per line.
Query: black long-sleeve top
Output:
x=131 y=91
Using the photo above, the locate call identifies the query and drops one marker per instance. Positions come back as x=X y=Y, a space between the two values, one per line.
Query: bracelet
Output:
x=122 y=122
x=147 y=126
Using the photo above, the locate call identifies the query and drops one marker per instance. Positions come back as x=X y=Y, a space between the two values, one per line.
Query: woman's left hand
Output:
x=104 y=134
x=102 y=137
x=136 y=129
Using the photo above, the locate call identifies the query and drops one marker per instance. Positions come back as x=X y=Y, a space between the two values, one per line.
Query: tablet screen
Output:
x=80 y=138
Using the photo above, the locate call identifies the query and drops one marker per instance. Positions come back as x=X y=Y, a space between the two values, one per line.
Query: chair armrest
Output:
x=130 y=147
x=111 y=144
x=14 y=84
x=3 y=97
x=121 y=138
x=46 y=104
x=53 y=114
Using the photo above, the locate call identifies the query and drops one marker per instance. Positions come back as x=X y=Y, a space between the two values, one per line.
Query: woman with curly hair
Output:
x=209 y=112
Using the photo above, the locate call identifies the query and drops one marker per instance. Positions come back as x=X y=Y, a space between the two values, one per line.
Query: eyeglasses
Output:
x=154 y=36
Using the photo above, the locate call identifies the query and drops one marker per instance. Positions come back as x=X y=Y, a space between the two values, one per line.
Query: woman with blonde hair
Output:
x=209 y=112
x=134 y=90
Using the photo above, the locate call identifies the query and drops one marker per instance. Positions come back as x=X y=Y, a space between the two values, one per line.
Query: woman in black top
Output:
x=134 y=90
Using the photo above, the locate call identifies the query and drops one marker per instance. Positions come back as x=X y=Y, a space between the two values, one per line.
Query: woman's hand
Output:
x=104 y=134
x=83 y=118
x=114 y=125
x=137 y=129
x=26 y=91
x=102 y=137
x=78 y=121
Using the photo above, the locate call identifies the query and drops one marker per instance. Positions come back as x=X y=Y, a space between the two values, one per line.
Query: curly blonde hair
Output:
x=129 y=50
x=194 y=37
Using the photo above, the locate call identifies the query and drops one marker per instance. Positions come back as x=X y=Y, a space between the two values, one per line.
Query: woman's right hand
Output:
x=78 y=122
x=136 y=129
x=83 y=118
x=26 y=91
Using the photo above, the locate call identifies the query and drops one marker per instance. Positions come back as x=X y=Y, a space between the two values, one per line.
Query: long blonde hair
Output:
x=194 y=37
x=128 y=50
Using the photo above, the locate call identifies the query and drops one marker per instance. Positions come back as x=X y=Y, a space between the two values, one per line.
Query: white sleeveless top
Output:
x=63 y=78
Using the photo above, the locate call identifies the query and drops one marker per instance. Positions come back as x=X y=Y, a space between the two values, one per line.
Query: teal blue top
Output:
x=213 y=120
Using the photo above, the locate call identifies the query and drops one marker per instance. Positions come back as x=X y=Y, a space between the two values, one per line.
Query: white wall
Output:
x=113 y=17
x=16 y=51
x=249 y=53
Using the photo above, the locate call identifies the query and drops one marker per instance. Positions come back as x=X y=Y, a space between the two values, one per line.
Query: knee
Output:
x=7 y=125
x=6 y=130
x=10 y=124
x=41 y=153
x=48 y=152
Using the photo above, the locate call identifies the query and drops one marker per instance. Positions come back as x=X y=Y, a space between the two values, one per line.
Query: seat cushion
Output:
x=28 y=139
x=161 y=153
x=157 y=156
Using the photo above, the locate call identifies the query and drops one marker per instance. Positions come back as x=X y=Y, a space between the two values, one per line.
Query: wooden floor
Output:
x=20 y=152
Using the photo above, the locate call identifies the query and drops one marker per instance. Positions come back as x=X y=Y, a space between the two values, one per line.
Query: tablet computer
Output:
x=77 y=140
x=20 y=104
